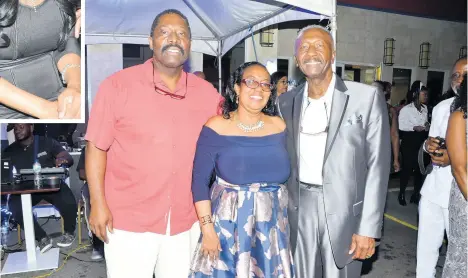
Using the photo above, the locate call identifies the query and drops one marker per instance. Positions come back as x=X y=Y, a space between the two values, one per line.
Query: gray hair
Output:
x=326 y=29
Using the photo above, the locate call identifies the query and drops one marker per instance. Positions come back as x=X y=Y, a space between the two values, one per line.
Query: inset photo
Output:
x=40 y=61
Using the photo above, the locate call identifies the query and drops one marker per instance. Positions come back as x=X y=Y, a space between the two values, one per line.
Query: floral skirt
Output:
x=252 y=225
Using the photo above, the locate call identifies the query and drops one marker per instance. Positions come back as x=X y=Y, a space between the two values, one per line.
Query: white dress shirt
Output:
x=314 y=120
x=410 y=117
x=437 y=185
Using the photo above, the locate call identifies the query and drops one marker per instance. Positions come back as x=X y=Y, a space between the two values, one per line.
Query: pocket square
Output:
x=354 y=119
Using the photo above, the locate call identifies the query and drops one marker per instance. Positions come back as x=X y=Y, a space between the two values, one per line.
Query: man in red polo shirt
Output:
x=142 y=133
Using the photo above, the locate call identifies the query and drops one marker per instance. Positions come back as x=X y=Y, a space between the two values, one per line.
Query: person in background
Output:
x=59 y=132
x=414 y=127
x=141 y=138
x=386 y=88
x=200 y=74
x=98 y=246
x=280 y=80
x=435 y=193
x=394 y=130
x=246 y=147
x=456 y=258
x=49 y=153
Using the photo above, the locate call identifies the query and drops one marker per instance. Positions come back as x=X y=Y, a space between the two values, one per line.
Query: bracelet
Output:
x=64 y=71
x=205 y=220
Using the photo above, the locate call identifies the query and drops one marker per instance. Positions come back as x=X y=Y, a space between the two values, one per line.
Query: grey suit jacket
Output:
x=356 y=163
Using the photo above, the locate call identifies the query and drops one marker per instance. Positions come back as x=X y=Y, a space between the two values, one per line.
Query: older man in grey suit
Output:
x=339 y=146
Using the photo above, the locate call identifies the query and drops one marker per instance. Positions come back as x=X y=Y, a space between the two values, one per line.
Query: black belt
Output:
x=310 y=185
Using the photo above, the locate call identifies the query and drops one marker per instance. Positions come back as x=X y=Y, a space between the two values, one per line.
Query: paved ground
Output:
x=395 y=258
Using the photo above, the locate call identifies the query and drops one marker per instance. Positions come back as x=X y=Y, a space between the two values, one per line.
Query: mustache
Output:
x=166 y=47
x=313 y=59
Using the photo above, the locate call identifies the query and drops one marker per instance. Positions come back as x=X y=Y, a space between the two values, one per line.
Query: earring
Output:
x=237 y=99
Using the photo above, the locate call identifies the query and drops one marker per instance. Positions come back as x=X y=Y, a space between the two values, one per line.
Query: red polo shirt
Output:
x=150 y=141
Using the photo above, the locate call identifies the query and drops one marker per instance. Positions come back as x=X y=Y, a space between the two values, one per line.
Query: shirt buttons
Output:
x=296 y=207
x=174 y=173
x=173 y=146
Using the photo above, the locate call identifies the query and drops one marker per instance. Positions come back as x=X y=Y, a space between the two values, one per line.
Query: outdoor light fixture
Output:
x=389 y=54
x=266 y=37
x=462 y=52
x=424 y=55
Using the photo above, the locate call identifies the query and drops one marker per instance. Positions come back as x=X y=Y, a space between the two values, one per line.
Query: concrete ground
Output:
x=395 y=257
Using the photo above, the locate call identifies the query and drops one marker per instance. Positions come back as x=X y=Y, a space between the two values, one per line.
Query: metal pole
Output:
x=220 y=55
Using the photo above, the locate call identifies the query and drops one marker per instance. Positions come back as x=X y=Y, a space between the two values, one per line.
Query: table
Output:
x=31 y=259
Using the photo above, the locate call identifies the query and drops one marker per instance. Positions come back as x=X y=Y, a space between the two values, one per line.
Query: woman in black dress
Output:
x=39 y=59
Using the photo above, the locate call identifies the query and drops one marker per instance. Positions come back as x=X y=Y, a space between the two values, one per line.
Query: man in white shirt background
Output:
x=433 y=207
x=413 y=125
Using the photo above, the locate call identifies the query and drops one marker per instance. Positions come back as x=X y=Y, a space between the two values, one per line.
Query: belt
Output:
x=310 y=185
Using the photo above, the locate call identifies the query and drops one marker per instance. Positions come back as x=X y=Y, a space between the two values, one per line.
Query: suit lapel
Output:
x=338 y=109
x=296 y=117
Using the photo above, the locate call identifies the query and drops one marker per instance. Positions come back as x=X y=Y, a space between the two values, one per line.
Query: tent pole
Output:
x=220 y=51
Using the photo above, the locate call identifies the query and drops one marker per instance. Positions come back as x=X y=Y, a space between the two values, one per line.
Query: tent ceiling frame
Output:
x=196 y=12
x=258 y=21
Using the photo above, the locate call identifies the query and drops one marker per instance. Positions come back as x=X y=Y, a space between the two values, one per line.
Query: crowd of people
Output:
x=260 y=181
x=437 y=191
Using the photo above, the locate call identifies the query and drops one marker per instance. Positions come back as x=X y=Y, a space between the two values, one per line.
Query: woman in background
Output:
x=414 y=126
x=382 y=86
x=456 y=138
x=244 y=222
x=280 y=80
x=39 y=59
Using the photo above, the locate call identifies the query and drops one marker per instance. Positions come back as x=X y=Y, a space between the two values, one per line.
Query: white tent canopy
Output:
x=217 y=25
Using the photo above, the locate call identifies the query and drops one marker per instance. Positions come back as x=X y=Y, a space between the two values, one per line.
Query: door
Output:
x=402 y=83
x=435 y=85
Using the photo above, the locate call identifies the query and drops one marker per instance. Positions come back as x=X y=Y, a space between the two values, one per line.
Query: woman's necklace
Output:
x=251 y=128
x=32 y=4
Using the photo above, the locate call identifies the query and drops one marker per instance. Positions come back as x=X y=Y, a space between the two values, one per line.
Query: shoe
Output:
x=415 y=198
x=96 y=255
x=65 y=240
x=45 y=244
x=402 y=199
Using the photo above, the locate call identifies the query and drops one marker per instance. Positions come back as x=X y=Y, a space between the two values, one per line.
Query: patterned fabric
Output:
x=456 y=259
x=252 y=225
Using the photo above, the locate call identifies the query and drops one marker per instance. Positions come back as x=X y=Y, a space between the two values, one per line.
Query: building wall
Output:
x=360 y=41
x=361 y=35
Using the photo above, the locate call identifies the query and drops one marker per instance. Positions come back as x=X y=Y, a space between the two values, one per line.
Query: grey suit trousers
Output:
x=314 y=257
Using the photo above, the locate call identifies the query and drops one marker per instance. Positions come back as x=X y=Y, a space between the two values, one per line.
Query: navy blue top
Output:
x=238 y=160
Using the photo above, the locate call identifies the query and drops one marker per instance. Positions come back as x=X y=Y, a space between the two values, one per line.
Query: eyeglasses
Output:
x=320 y=125
x=284 y=82
x=166 y=93
x=456 y=76
x=253 y=84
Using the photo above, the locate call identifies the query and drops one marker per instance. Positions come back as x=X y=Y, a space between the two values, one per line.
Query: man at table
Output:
x=49 y=153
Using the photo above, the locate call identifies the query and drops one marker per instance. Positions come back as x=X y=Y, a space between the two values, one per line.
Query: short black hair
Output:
x=170 y=11
x=230 y=104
